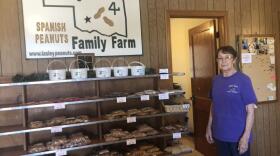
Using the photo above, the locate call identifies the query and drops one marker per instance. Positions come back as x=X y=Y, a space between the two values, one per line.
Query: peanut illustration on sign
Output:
x=108 y=21
x=99 y=12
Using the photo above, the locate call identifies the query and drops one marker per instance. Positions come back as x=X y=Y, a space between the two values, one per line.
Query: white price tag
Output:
x=161 y=71
x=59 y=106
x=121 y=99
x=60 y=153
x=164 y=76
x=145 y=97
x=130 y=142
x=131 y=119
x=186 y=106
x=163 y=96
x=56 y=129
x=177 y=135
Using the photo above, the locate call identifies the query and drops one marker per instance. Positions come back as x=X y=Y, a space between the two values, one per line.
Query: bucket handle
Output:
x=136 y=62
x=56 y=61
x=70 y=67
x=116 y=59
x=102 y=59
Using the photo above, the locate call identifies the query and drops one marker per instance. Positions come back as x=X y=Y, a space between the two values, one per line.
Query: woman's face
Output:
x=225 y=62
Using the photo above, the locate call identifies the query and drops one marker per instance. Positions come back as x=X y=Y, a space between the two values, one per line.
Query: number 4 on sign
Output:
x=113 y=8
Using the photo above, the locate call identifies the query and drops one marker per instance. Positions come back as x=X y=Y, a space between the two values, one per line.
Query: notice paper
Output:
x=246 y=58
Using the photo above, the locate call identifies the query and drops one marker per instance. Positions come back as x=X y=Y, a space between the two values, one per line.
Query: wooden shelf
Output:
x=98 y=143
x=83 y=80
x=44 y=105
x=13 y=130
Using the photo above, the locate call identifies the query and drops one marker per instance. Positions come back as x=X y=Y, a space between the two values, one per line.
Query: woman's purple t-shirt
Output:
x=230 y=95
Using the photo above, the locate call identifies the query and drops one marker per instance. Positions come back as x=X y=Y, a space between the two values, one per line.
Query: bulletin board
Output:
x=257 y=54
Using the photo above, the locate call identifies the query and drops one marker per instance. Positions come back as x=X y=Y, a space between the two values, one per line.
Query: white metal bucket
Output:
x=120 y=71
x=102 y=72
x=78 y=73
x=137 y=70
x=56 y=74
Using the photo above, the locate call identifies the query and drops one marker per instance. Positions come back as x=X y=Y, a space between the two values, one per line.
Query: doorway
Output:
x=193 y=52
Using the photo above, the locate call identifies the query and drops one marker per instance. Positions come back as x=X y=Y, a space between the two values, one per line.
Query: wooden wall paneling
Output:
x=132 y=58
x=145 y=58
x=201 y=5
x=255 y=16
x=11 y=141
x=273 y=108
x=259 y=113
x=162 y=6
x=246 y=16
x=255 y=30
x=118 y=61
x=276 y=28
x=153 y=33
x=266 y=119
x=49 y=92
x=29 y=66
x=237 y=17
x=268 y=16
x=266 y=130
x=0 y=56
x=259 y=131
x=231 y=21
x=9 y=40
x=42 y=65
x=68 y=61
x=10 y=96
x=210 y=4
x=190 y=4
x=220 y=4
x=174 y=4
x=273 y=128
x=262 y=16
x=182 y=4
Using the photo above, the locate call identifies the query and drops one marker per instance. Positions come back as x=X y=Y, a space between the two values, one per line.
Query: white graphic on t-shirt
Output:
x=233 y=89
x=106 y=17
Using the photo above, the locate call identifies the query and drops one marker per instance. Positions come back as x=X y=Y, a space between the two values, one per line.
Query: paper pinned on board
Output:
x=246 y=58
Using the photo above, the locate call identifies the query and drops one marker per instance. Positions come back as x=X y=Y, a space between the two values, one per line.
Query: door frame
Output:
x=222 y=17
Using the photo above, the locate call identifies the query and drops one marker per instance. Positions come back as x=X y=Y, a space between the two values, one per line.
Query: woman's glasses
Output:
x=226 y=58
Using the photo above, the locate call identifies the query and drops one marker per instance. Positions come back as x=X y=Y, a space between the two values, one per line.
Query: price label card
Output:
x=56 y=129
x=130 y=142
x=177 y=135
x=164 y=76
x=131 y=119
x=186 y=106
x=145 y=97
x=121 y=99
x=60 y=153
x=59 y=106
x=163 y=96
x=161 y=71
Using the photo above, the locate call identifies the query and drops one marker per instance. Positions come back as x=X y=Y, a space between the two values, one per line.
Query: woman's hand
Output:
x=243 y=145
x=208 y=135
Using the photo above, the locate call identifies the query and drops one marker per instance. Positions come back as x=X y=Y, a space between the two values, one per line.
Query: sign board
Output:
x=63 y=28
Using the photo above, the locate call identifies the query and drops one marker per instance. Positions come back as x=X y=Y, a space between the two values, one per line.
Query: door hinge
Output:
x=217 y=35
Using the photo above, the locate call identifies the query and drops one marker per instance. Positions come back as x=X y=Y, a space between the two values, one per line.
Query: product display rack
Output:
x=96 y=143
x=43 y=105
x=13 y=130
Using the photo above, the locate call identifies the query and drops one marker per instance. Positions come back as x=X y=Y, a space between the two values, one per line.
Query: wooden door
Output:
x=203 y=47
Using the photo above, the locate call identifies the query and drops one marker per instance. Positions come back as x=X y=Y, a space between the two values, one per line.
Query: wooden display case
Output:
x=39 y=102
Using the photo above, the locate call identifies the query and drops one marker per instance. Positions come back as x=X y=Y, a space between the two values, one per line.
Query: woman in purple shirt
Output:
x=232 y=111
